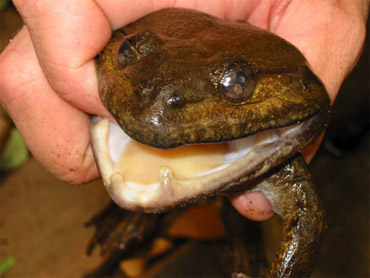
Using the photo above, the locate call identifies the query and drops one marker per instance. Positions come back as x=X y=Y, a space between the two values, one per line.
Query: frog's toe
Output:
x=118 y=229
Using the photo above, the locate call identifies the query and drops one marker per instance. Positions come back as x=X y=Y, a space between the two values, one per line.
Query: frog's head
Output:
x=185 y=78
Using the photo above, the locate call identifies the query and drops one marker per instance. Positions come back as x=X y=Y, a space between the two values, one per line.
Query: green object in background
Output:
x=6 y=264
x=15 y=152
x=3 y=4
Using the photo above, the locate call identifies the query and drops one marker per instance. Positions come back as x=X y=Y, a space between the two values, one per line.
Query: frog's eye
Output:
x=237 y=84
x=176 y=101
x=123 y=55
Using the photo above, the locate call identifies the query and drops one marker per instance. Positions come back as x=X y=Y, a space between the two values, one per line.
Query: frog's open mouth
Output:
x=143 y=178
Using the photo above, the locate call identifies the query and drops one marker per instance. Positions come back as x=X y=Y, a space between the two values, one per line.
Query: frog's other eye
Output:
x=124 y=55
x=237 y=84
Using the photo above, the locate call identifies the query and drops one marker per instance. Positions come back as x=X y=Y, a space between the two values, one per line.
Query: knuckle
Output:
x=15 y=77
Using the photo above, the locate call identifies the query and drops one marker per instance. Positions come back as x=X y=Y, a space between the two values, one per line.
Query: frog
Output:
x=202 y=107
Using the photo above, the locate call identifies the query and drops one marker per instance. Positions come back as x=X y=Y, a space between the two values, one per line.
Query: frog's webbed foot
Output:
x=118 y=233
x=293 y=196
x=118 y=229
x=121 y=233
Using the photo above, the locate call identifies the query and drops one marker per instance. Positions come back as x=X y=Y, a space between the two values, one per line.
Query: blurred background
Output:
x=42 y=231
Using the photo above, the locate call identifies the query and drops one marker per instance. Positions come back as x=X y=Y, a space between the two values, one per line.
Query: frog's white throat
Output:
x=139 y=177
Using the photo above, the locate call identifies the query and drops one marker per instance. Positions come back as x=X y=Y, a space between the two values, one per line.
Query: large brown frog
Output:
x=207 y=106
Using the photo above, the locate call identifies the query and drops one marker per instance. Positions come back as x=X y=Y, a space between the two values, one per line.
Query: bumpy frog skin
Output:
x=178 y=77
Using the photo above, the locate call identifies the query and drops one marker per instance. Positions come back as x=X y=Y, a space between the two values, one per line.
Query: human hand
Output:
x=330 y=34
x=48 y=82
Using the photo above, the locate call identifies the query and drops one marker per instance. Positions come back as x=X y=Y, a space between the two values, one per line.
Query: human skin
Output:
x=48 y=82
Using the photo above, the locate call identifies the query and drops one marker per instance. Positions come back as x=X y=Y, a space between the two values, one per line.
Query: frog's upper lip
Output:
x=249 y=163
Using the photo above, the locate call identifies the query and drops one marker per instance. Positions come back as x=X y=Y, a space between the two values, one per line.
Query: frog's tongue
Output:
x=140 y=177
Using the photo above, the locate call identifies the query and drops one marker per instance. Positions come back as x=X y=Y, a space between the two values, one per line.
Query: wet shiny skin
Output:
x=179 y=77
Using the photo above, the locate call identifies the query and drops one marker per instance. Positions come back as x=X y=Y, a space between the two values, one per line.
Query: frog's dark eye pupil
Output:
x=236 y=85
x=123 y=55
x=234 y=82
x=176 y=101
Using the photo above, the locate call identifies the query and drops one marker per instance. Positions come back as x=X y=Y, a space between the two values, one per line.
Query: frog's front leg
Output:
x=121 y=233
x=293 y=196
x=118 y=229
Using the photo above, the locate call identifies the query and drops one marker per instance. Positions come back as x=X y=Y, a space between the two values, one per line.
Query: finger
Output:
x=67 y=35
x=310 y=151
x=315 y=32
x=56 y=133
x=121 y=13
x=253 y=205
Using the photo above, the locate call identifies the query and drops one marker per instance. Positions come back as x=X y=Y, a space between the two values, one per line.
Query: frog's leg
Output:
x=119 y=233
x=242 y=250
x=293 y=196
x=116 y=228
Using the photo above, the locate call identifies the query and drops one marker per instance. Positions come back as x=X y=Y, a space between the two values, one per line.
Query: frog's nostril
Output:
x=123 y=55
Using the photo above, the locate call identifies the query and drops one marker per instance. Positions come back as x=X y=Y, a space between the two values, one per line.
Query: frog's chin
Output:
x=138 y=177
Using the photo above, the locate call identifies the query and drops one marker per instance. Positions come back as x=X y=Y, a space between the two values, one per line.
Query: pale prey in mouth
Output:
x=144 y=178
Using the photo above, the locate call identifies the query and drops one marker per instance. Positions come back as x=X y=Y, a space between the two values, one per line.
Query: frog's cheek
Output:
x=138 y=177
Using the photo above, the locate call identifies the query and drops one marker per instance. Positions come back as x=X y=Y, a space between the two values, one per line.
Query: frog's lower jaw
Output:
x=243 y=160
